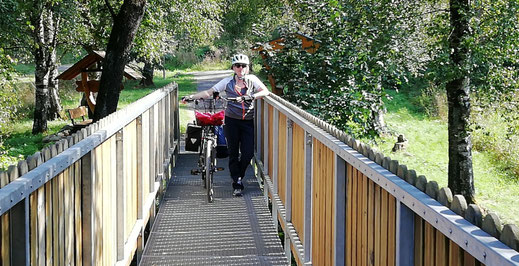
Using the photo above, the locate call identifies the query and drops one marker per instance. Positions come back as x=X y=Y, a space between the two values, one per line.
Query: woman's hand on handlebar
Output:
x=186 y=99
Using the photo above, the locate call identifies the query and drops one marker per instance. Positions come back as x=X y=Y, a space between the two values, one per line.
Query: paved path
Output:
x=229 y=231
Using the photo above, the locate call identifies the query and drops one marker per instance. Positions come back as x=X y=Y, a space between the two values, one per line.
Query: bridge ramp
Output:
x=229 y=231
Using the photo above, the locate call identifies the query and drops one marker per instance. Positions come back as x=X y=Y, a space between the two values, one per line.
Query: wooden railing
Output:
x=336 y=206
x=87 y=200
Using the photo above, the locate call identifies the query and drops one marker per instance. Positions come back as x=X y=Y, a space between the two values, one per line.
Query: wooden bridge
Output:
x=117 y=192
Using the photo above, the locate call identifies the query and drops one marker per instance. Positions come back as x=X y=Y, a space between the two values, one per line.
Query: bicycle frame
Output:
x=207 y=156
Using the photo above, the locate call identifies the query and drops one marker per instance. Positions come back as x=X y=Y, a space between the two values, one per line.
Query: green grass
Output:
x=427 y=153
x=22 y=143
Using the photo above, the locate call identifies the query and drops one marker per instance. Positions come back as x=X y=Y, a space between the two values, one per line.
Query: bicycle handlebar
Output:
x=246 y=98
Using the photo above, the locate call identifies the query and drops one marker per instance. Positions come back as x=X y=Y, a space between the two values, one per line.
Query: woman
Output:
x=239 y=116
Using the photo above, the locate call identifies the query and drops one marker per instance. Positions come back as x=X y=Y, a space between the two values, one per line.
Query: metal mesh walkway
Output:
x=229 y=231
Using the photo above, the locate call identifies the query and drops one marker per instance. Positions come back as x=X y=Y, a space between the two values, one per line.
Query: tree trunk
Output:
x=54 y=101
x=47 y=104
x=125 y=26
x=41 y=74
x=147 y=73
x=461 y=178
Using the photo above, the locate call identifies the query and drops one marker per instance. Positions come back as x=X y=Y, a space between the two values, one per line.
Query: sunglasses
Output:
x=240 y=65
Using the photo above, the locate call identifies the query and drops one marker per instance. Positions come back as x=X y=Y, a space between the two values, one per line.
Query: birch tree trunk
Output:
x=47 y=105
x=54 y=100
x=41 y=74
x=123 y=32
x=461 y=177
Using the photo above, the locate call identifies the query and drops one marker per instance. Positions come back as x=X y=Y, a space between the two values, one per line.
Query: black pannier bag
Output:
x=221 y=147
x=193 y=137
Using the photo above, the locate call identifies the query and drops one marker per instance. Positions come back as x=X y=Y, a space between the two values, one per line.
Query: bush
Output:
x=9 y=98
x=495 y=129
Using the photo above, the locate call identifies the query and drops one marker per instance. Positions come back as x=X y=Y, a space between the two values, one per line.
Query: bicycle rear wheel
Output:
x=202 y=165
x=209 y=169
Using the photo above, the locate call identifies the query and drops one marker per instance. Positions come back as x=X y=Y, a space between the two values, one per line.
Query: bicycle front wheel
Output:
x=209 y=169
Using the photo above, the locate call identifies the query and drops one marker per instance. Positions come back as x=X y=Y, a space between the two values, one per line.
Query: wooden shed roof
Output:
x=89 y=60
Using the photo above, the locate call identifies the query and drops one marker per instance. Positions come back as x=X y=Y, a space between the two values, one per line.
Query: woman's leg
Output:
x=232 y=135
x=246 y=145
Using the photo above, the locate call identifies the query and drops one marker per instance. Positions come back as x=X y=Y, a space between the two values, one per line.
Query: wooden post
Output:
x=340 y=210
x=275 y=164
x=121 y=194
x=404 y=235
x=266 y=149
x=87 y=208
x=19 y=227
x=140 y=187
x=308 y=197
x=288 y=186
x=259 y=125
x=177 y=123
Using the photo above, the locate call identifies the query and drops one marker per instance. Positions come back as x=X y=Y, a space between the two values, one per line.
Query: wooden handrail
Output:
x=339 y=207
x=87 y=199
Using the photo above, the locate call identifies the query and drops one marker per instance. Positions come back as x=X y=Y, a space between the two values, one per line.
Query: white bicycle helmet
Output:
x=240 y=59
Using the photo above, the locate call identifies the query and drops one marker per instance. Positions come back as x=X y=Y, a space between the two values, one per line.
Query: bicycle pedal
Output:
x=219 y=169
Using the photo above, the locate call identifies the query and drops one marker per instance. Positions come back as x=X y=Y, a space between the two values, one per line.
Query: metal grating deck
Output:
x=229 y=231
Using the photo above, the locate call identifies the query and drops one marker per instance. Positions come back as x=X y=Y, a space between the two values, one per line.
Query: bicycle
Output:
x=208 y=120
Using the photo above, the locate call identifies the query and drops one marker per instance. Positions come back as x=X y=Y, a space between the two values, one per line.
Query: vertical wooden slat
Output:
x=61 y=218
x=49 y=218
x=378 y=213
x=331 y=196
x=4 y=219
x=455 y=254
x=282 y=156
x=364 y=246
x=298 y=177
x=354 y=215
x=98 y=199
x=55 y=240
x=429 y=245
x=68 y=210
x=419 y=241
x=349 y=215
x=6 y=259
x=33 y=201
x=317 y=206
x=358 y=215
x=468 y=260
x=371 y=222
x=42 y=217
x=440 y=249
x=383 y=227
x=391 y=249
x=327 y=215
x=111 y=195
x=270 y=140
x=77 y=213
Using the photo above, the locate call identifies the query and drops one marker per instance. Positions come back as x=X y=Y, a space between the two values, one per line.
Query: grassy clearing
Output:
x=21 y=142
x=427 y=153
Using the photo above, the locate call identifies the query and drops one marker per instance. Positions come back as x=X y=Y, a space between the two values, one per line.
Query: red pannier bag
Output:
x=208 y=119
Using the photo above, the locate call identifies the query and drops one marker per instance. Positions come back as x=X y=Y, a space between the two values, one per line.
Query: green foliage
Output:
x=359 y=56
x=9 y=101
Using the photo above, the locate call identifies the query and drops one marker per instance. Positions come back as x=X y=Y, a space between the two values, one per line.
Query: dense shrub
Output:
x=9 y=100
